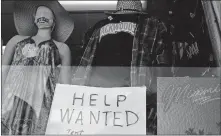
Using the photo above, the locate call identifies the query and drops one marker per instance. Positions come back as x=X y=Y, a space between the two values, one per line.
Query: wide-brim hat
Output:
x=128 y=7
x=24 y=11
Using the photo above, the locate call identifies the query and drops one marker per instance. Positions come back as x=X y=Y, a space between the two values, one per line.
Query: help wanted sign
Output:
x=79 y=110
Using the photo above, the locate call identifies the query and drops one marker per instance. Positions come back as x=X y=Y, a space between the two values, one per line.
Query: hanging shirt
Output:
x=149 y=49
x=116 y=40
x=111 y=65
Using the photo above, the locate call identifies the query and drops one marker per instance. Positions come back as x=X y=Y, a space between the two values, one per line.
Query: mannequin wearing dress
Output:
x=30 y=73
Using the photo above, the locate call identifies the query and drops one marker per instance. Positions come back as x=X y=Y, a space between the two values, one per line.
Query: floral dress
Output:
x=29 y=87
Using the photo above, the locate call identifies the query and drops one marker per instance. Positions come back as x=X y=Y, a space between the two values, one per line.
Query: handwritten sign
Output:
x=79 y=110
x=188 y=105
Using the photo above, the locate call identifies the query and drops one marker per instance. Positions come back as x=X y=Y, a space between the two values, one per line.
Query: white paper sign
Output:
x=79 y=110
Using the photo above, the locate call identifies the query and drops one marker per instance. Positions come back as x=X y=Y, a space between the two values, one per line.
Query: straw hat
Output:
x=24 y=11
x=128 y=7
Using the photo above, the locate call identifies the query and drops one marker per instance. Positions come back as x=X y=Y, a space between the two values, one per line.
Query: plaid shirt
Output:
x=149 y=49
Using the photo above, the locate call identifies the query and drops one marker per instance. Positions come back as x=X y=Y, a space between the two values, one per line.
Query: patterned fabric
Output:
x=129 y=4
x=28 y=91
x=128 y=7
x=149 y=49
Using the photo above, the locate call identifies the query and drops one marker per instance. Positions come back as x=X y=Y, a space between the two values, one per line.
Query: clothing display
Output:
x=31 y=69
x=115 y=45
x=149 y=49
x=113 y=55
x=29 y=87
x=102 y=69
x=192 y=48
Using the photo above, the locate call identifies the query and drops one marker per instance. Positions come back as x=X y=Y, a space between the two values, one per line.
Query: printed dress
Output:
x=29 y=87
